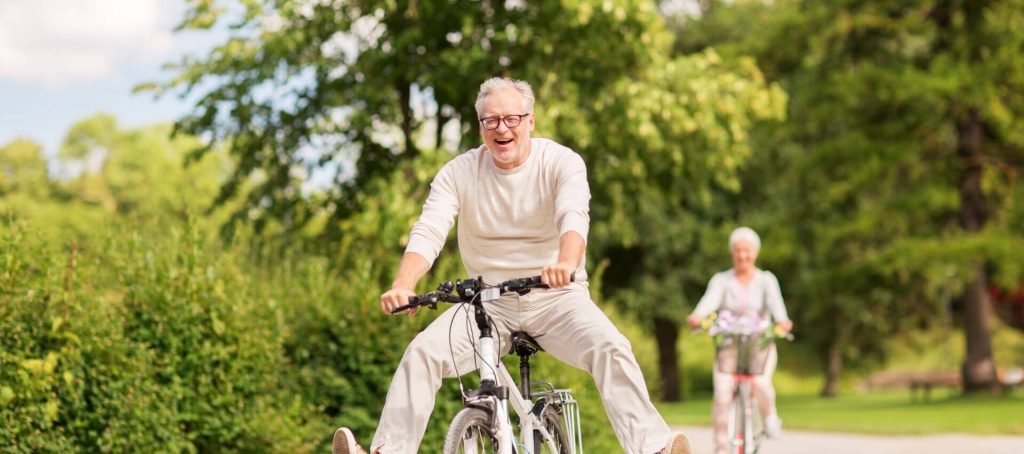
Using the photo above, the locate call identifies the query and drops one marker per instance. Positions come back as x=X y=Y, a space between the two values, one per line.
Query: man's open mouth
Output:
x=503 y=142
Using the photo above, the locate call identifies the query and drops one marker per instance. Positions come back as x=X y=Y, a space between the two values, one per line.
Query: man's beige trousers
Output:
x=566 y=323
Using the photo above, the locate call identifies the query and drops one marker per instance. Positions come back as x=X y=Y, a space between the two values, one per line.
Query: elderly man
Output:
x=523 y=210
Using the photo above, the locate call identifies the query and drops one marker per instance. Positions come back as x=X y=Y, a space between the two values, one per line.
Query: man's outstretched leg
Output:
x=574 y=330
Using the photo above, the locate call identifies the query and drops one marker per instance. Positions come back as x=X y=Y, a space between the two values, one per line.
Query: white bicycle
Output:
x=549 y=419
x=741 y=350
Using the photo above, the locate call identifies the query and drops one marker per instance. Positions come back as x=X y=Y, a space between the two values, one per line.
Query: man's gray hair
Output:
x=496 y=84
x=745 y=234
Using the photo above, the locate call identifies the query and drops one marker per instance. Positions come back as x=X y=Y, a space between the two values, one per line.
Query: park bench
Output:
x=920 y=384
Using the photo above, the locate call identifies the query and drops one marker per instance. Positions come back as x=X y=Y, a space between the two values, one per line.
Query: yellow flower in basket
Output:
x=778 y=331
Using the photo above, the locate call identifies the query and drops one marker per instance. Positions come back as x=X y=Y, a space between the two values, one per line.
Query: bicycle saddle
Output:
x=524 y=345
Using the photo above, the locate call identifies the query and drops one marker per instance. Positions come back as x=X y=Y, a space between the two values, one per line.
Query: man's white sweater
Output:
x=510 y=221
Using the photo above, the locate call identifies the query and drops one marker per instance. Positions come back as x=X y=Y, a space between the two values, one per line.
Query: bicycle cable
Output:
x=451 y=348
x=470 y=335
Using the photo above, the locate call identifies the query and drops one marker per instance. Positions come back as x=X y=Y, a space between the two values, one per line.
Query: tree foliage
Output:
x=23 y=170
x=895 y=167
x=106 y=166
x=350 y=89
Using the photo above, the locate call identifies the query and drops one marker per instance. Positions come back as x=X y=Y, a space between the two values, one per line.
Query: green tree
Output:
x=663 y=146
x=23 y=170
x=897 y=164
x=138 y=172
x=357 y=86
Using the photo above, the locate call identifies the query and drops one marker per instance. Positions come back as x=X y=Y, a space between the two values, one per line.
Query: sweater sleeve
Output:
x=572 y=196
x=712 y=298
x=430 y=231
x=773 y=298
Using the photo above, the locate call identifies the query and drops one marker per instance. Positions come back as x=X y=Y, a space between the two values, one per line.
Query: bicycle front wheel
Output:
x=738 y=433
x=471 y=433
x=555 y=427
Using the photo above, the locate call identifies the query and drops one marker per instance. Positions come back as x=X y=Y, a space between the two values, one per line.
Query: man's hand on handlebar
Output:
x=396 y=297
x=557 y=275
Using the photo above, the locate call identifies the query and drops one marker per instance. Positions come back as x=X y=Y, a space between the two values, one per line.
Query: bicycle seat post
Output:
x=524 y=346
x=524 y=375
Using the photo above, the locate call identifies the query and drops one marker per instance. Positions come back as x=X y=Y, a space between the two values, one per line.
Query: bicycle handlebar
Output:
x=770 y=333
x=466 y=290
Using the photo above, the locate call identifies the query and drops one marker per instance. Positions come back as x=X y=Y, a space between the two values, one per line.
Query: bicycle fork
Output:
x=745 y=440
x=489 y=375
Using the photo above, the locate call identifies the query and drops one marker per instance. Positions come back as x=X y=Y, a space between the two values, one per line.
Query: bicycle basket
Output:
x=742 y=354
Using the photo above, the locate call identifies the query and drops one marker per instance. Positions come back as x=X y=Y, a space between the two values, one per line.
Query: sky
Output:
x=64 y=60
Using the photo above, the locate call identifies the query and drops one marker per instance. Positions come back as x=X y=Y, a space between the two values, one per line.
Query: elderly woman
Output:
x=744 y=289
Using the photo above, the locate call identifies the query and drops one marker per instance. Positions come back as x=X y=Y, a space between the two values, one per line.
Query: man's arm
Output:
x=425 y=240
x=572 y=218
x=570 y=252
x=412 y=267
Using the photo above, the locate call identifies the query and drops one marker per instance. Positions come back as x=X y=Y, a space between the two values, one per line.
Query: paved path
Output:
x=798 y=442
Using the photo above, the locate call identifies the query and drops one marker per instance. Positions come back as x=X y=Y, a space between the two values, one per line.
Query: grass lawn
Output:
x=880 y=413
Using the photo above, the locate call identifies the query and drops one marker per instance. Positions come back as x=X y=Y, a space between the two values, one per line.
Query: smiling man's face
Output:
x=508 y=146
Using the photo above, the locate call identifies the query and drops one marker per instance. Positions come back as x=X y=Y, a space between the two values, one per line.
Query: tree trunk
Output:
x=666 y=334
x=833 y=369
x=979 y=369
x=834 y=354
x=408 y=129
x=442 y=119
x=979 y=372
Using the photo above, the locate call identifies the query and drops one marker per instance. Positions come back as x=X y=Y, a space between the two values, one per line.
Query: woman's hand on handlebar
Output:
x=694 y=321
x=786 y=326
x=557 y=275
x=397 y=296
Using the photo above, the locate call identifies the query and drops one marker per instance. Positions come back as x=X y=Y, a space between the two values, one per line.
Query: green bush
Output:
x=143 y=343
x=34 y=345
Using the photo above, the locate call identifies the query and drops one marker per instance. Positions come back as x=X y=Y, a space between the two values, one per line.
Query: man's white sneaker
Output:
x=677 y=444
x=345 y=443
x=773 y=426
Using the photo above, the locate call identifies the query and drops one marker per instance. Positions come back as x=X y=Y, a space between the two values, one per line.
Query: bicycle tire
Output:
x=738 y=431
x=472 y=426
x=555 y=425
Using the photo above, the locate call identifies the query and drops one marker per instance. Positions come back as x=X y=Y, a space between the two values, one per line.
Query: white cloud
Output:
x=56 y=43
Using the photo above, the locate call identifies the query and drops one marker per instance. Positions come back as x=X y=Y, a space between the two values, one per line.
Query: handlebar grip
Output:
x=413 y=302
x=404 y=308
x=537 y=281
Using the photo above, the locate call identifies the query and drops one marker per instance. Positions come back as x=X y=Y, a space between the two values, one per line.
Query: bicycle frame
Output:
x=745 y=439
x=495 y=383
x=492 y=399
x=747 y=339
x=743 y=397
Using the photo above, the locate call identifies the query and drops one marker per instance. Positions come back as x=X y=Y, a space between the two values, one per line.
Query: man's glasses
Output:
x=511 y=121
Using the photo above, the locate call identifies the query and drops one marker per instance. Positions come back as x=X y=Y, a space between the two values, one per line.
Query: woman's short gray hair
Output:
x=496 y=84
x=745 y=234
